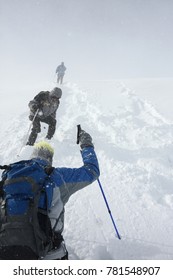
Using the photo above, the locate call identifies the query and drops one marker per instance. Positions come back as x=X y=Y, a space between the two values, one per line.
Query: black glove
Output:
x=31 y=117
x=85 y=139
x=33 y=107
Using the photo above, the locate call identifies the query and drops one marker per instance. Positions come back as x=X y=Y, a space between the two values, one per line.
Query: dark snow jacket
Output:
x=43 y=102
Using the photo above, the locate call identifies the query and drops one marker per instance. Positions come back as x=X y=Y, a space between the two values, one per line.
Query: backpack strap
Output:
x=49 y=169
x=1 y=188
x=5 y=167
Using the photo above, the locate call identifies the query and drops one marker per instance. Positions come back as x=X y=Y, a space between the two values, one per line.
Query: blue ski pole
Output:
x=107 y=205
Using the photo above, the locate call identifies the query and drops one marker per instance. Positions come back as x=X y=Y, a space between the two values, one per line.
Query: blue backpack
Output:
x=25 y=198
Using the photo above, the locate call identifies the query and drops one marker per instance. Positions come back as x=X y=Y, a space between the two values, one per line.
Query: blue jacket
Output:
x=68 y=181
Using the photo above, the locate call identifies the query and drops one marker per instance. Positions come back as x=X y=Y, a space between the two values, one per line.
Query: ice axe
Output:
x=101 y=188
x=78 y=133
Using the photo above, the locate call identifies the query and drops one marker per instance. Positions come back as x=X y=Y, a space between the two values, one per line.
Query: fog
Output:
x=118 y=55
x=97 y=39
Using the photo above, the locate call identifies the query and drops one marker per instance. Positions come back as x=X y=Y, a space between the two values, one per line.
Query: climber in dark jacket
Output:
x=43 y=109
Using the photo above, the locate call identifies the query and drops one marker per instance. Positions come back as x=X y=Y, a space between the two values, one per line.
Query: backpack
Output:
x=25 y=199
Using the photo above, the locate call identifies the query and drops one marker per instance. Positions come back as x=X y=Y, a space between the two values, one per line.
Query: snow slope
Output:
x=134 y=145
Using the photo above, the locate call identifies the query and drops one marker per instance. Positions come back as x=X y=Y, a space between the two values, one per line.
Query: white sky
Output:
x=97 y=39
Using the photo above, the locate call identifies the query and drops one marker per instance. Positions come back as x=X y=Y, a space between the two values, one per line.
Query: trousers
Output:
x=36 y=128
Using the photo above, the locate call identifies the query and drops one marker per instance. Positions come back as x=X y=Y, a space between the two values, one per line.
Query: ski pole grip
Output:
x=78 y=132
